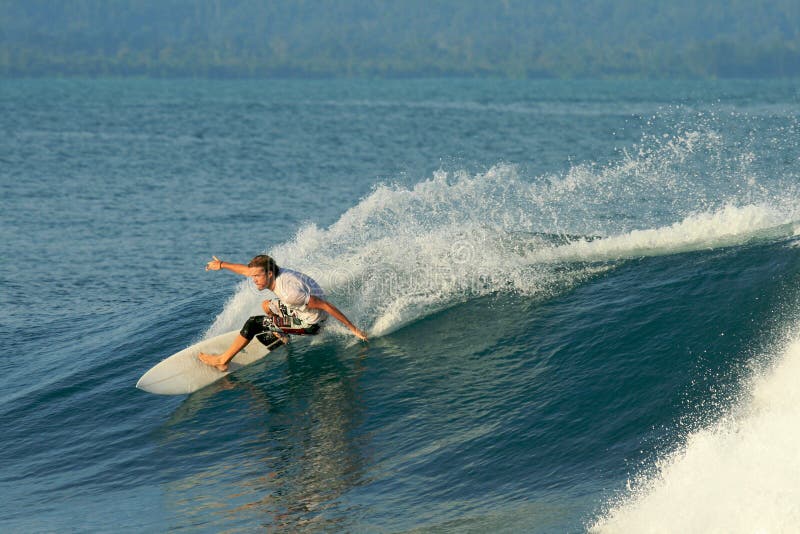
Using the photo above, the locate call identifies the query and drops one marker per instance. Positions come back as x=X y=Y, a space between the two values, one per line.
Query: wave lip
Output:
x=741 y=474
x=728 y=226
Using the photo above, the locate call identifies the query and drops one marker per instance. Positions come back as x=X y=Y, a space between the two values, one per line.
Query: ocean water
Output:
x=582 y=299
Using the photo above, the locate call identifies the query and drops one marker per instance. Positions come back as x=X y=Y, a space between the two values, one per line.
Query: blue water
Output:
x=582 y=299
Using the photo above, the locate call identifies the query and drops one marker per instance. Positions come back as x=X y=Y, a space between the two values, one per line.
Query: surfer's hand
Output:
x=360 y=335
x=214 y=265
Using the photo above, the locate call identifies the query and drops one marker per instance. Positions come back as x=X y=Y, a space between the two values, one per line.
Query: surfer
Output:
x=300 y=308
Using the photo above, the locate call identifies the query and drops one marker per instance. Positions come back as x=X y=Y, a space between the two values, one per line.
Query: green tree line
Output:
x=400 y=38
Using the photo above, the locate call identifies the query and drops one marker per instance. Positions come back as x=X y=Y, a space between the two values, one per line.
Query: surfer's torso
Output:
x=293 y=290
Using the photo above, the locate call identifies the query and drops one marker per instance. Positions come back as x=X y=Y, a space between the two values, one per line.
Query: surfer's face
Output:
x=260 y=277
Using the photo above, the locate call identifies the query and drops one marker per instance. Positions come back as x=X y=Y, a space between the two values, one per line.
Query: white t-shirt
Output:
x=294 y=289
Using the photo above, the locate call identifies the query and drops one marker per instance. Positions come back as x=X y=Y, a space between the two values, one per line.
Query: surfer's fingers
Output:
x=214 y=259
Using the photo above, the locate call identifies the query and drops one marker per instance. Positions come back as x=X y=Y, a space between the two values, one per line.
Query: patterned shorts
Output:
x=264 y=327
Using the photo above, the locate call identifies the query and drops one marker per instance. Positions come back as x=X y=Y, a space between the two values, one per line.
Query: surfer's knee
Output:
x=253 y=327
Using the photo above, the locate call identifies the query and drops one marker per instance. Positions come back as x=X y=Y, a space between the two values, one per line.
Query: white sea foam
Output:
x=728 y=226
x=739 y=475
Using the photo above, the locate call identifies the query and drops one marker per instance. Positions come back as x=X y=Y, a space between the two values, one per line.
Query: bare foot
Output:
x=214 y=361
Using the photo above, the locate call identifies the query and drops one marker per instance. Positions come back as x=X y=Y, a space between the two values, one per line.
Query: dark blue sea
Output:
x=583 y=300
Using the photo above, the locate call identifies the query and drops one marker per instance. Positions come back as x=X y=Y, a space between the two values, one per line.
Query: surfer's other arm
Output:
x=217 y=265
x=317 y=303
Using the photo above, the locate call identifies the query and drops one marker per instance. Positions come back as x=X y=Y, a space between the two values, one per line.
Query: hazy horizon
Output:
x=414 y=38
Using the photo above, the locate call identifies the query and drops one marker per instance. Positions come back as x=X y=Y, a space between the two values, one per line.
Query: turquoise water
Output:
x=582 y=300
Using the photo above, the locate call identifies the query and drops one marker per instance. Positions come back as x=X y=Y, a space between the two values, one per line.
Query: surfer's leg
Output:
x=221 y=361
x=255 y=325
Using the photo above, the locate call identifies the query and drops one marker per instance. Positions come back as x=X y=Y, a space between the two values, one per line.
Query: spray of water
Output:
x=405 y=252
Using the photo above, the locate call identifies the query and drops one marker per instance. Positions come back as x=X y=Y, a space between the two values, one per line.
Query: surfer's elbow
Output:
x=316 y=303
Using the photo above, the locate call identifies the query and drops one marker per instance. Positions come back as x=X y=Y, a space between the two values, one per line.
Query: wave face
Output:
x=406 y=253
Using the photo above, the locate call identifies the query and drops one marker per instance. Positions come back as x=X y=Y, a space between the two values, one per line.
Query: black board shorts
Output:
x=264 y=327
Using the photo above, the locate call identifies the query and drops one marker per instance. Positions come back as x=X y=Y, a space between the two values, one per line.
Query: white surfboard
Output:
x=183 y=373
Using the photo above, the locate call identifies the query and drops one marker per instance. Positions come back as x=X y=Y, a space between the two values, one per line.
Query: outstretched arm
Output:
x=217 y=264
x=316 y=303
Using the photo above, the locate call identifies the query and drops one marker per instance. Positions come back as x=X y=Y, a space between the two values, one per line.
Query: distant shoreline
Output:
x=380 y=39
x=410 y=76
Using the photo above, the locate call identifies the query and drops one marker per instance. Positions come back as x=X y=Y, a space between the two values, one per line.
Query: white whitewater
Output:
x=739 y=475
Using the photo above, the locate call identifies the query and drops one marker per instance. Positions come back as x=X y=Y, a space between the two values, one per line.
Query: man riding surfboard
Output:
x=300 y=309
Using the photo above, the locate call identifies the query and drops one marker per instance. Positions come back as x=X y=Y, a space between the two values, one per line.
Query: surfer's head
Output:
x=263 y=271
